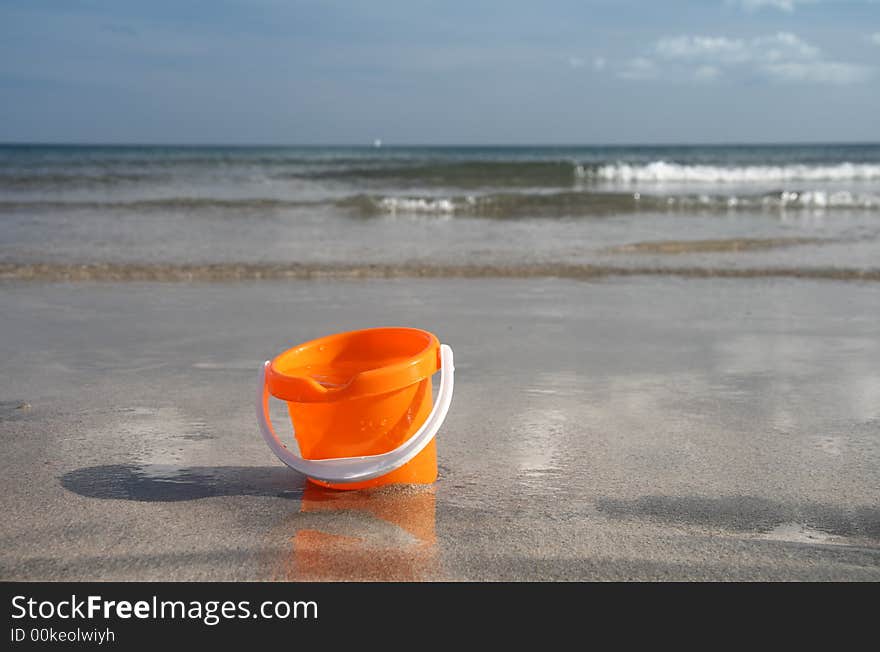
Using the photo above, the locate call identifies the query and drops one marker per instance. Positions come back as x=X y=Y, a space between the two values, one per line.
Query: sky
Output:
x=439 y=72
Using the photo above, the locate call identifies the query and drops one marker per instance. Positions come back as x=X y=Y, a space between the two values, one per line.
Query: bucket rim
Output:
x=303 y=388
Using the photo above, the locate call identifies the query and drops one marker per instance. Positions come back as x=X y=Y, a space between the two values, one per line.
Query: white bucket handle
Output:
x=364 y=467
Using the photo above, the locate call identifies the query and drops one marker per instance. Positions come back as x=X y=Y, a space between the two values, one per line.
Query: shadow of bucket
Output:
x=361 y=406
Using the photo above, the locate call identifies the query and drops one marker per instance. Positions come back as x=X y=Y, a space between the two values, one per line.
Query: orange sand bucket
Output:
x=361 y=406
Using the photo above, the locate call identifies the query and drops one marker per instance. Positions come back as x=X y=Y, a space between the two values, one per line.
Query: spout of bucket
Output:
x=301 y=385
x=365 y=467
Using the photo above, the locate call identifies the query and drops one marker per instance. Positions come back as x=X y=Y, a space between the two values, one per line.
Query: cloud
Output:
x=781 y=46
x=707 y=73
x=875 y=38
x=821 y=72
x=782 y=56
x=638 y=68
x=713 y=47
x=787 y=6
x=599 y=63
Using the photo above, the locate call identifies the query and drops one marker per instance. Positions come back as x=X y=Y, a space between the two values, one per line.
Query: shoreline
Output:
x=122 y=272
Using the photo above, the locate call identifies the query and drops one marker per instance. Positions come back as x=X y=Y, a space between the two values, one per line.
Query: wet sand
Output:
x=612 y=427
x=165 y=273
x=675 y=247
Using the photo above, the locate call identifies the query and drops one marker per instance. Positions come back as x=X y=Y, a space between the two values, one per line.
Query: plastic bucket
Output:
x=361 y=406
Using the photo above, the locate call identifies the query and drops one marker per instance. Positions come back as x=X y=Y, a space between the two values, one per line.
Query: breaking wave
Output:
x=490 y=205
x=562 y=204
x=663 y=171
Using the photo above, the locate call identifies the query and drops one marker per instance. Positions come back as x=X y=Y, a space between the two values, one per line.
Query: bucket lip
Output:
x=380 y=380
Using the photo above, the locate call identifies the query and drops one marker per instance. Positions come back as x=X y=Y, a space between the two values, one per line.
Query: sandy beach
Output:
x=610 y=428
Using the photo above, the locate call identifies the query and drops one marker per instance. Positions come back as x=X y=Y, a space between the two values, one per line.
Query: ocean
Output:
x=714 y=209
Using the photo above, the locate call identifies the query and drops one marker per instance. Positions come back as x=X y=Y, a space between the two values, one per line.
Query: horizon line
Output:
x=384 y=145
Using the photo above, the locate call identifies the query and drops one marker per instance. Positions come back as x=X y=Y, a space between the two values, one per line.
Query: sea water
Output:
x=798 y=206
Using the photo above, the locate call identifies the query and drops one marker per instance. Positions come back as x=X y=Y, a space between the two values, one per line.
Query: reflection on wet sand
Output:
x=385 y=534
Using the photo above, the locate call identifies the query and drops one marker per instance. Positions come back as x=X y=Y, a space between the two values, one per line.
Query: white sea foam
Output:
x=423 y=205
x=587 y=203
x=661 y=171
x=793 y=199
x=822 y=199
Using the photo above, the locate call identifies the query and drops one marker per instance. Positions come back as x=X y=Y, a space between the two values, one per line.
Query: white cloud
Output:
x=598 y=63
x=782 y=56
x=638 y=68
x=822 y=72
x=784 y=45
x=788 y=6
x=781 y=46
x=714 y=47
x=782 y=5
x=875 y=38
x=707 y=73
